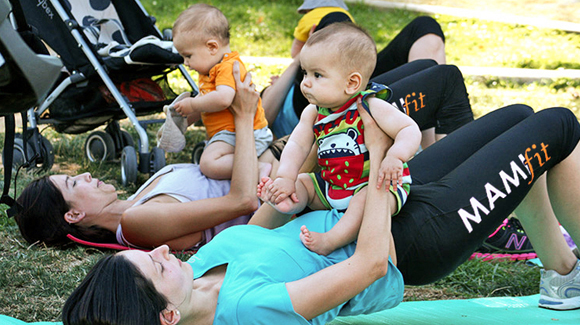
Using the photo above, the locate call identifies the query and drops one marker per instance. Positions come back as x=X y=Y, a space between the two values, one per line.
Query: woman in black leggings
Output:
x=465 y=185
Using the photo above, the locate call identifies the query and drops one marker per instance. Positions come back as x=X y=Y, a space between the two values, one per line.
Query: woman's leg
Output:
x=443 y=105
x=409 y=44
x=446 y=220
x=430 y=46
x=444 y=156
x=541 y=225
x=560 y=282
x=403 y=71
x=563 y=190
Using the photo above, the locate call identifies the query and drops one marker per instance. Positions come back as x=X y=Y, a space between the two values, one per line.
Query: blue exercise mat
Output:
x=480 y=311
x=7 y=320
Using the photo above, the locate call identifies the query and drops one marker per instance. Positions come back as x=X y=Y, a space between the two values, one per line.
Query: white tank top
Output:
x=185 y=183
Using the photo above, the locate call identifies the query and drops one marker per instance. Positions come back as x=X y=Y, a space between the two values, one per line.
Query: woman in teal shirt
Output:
x=251 y=275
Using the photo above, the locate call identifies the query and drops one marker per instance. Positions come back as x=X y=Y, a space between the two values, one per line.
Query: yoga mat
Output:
x=480 y=311
x=7 y=320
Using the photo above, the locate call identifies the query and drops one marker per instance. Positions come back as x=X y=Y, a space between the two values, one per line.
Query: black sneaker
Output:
x=508 y=238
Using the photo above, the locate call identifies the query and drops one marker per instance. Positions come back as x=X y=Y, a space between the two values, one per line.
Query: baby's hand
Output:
x=281 y=189
x=391 y=172
x=184 y=106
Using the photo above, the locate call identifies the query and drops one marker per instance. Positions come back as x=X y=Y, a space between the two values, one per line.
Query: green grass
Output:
x=35 y=280
x=264 y=28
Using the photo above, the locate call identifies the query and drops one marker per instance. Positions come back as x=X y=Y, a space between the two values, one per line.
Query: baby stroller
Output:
x=112 y=51
x=25 y=79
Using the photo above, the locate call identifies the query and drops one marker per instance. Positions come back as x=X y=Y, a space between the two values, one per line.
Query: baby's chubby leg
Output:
x=344 y=231
x=217 y=160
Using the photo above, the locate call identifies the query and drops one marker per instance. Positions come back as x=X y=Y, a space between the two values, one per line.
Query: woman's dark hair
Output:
x=114 y=292
x=41 y=217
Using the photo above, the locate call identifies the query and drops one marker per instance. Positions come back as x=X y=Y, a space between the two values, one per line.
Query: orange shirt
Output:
x=221 y=75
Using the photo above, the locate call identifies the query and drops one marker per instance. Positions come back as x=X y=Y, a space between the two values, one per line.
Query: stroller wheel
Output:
x=18 y=155
x=197 y=151
x=127 y=139
x=156 y=160
x=128 y=166
x=99 y=146
x=46 y=154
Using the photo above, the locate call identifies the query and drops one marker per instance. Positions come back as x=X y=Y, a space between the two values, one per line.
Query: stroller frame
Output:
x=149 y=161
x=25 y=79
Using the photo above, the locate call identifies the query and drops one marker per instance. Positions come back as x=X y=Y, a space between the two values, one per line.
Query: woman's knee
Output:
x=429 y=46
x=562 y=121
x=560 y=113
x=520 y=110
x=427 y=25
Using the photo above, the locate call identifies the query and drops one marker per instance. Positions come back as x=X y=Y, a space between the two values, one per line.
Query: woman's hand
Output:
x=246 y=99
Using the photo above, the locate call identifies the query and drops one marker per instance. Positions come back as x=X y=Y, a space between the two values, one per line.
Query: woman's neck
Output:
x=110 y=216
x=204 y=299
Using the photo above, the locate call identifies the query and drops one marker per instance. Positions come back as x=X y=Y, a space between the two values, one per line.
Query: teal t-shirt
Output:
x=7 y=320
x=261 y=261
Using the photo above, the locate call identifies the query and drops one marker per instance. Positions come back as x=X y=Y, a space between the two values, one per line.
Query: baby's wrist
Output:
x=393 y=156
x=285 y=177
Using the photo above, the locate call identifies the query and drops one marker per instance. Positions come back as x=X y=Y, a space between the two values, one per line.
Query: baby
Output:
x=201 y=35
x=337 y=62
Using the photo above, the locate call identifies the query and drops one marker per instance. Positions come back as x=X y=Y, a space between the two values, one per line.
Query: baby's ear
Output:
x=353 y=83
x=212 y=45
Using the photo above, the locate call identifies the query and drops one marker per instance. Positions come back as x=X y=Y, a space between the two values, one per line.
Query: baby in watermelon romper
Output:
x=337 y=62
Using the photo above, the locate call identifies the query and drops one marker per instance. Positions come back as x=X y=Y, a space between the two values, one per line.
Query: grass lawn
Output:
x=36 y=280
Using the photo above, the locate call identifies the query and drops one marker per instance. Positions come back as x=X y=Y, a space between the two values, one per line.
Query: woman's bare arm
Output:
x=338 y=283
x=158 y=223
x=274 y=96
x=297 y=46
x=244 y=106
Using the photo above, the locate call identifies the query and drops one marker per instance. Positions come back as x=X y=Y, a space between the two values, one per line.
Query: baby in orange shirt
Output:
x=202 y=37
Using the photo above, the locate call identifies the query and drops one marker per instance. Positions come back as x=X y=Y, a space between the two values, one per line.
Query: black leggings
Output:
x=396 y=53
x=432 y=95
x=465 y=185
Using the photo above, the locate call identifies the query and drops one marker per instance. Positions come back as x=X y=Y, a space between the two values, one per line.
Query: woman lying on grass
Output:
x=178 y=206
x=466 y=185
x=187 y=214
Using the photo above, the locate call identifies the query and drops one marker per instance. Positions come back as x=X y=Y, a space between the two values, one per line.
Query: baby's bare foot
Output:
x=287 y=206
x=315 y=241
x=262 y=189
